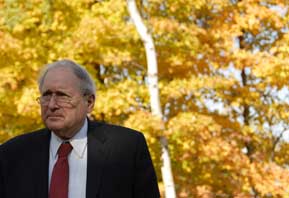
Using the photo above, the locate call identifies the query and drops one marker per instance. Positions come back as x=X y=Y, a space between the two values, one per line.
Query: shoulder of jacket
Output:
x=25 y=138
x=109 y=128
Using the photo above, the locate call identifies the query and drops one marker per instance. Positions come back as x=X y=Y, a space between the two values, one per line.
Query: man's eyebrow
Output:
x=47 y=92
x=61 y=93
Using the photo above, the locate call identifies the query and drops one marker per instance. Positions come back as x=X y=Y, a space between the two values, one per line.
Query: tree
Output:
x=152 y=77
x=222 y=69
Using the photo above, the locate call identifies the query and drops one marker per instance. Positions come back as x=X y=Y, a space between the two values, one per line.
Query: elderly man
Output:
x=74 y=157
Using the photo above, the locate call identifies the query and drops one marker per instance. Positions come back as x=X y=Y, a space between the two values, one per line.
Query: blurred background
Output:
x=223 y=73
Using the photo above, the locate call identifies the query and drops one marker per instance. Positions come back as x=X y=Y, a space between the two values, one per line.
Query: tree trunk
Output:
x=154 y=93
x=246 y=114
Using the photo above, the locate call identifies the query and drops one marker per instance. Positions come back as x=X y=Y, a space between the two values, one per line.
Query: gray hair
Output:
x=87 y=85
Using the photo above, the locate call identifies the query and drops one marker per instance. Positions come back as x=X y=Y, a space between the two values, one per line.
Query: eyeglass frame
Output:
x=66 y=99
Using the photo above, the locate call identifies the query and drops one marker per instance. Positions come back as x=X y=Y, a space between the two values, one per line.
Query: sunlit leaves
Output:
x=122 y=99
x=223 y=68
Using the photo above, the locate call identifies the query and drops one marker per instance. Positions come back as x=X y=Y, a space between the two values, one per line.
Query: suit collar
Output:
x=78 y=142
x=97 y=151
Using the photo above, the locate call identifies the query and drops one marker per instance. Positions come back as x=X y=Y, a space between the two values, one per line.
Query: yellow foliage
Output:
x=228 y=152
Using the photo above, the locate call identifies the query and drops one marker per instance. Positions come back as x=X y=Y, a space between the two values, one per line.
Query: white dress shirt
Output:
x=77 y=161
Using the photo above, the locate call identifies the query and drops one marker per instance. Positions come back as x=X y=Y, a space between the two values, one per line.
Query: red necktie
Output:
x=60 y=173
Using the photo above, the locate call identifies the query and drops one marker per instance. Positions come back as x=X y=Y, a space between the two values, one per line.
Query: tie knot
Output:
x=64 y=149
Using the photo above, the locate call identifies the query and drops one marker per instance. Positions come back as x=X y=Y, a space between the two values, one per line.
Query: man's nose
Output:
x=52 y=102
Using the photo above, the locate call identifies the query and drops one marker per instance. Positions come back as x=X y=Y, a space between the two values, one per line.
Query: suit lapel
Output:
x=42 y=165
x=97 y=151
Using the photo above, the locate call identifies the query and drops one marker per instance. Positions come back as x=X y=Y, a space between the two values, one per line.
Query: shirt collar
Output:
x=78 y=142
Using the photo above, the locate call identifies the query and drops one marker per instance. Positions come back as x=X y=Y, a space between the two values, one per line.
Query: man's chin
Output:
x=54 y=128
x=54 y=124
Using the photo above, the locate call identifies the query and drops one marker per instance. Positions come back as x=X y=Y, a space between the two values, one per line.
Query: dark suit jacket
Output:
x=118 y=164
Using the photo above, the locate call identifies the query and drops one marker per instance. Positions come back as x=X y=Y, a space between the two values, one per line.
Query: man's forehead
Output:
x=61 y=69
x=60 y=74
x=59 y=82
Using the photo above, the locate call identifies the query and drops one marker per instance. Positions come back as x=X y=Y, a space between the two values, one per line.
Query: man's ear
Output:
x=90 y=102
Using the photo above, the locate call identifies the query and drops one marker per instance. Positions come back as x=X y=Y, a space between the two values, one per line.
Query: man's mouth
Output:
x=54 y=116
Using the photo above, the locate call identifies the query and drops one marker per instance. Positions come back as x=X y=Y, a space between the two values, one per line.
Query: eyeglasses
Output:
x=61 y=100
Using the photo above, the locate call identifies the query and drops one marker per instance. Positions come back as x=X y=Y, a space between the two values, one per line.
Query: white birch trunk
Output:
x=154 y=93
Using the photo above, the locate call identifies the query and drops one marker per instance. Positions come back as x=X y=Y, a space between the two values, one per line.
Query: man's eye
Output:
x=46 y=97
x=63 y=97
